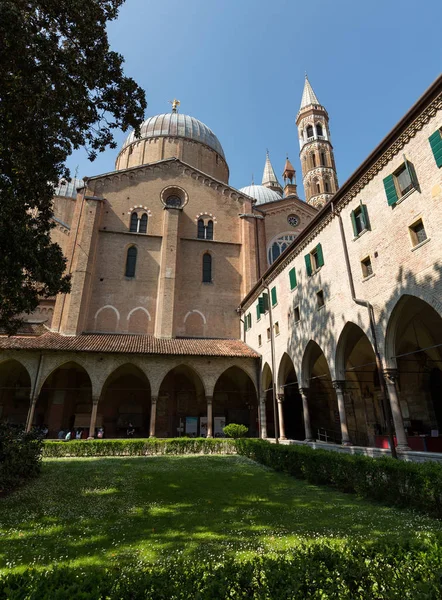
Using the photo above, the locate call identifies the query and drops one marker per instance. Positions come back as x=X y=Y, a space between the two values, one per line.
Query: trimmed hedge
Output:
x=141 y=447
x=316 y=571
x=20 y=456
x=390 y=481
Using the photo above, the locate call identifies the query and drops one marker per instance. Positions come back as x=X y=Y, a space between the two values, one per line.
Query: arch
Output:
x=309 y=131
x=201 y=229
x=323 y=158
x=278 y=244
x=125 y=400
x=106 y=323
x=235 y=401
x=207 y=268
x=292 y=403
x=138 y=320
x=15 y=391
x=143 y=223
x=131 y=262
x=313 y=159
x=267 y=394
x=65 y=400
x=181 y=402
x=195 y=311
x=319 y=130
x=209 y=230
x=133 y=227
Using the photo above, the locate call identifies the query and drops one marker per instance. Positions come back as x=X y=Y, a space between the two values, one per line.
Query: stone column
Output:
x=263 y=417
x=339 y=387
x=93 y=418
x=153 y=415
x=209 y=400
x=31 y=414
x=391 y=376
x=280 y=400
x=306 y=413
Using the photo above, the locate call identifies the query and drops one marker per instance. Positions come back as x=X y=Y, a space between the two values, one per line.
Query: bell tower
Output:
x=317 y=159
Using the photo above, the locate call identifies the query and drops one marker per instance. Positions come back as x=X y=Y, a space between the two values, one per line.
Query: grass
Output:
x=98 y=511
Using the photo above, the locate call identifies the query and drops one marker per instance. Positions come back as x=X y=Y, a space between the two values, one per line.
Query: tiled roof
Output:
x=132 y=344
x=28 y=328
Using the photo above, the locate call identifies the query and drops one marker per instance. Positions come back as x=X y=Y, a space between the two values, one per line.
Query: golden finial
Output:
x=175 y=103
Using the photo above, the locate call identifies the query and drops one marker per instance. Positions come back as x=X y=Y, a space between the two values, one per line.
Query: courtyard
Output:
x=104 y=511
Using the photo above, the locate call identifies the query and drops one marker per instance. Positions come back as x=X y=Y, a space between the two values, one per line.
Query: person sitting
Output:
x=78 y=434
x=68 y=436
x=100 y=433
x=130 y=430
x=61 y=434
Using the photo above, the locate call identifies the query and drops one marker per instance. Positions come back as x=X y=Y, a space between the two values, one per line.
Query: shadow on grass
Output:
x=105 y=510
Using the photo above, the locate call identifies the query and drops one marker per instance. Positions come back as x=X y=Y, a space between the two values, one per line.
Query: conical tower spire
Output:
x=308 y=95
x=269 y=178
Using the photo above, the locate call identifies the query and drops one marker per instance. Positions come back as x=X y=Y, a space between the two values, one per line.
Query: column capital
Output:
x=280 y=397
x=209 y=399
x=339 y=384
x=303 y=390
x=154 y=399
x=391 y=375
x=95 y=399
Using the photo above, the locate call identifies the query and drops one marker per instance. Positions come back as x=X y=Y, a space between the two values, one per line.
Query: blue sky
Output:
x=238 y=66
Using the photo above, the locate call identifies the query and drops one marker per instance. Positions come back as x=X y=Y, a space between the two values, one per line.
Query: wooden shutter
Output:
x=320 y=255
x=249 y=321
x=390 y=190
x=261 y=305
x=266 y=301
x=412 y=173
x=353 y=222
x=207 y=268
x=258 y=312
x=436 y=145
x=245 y=323
x=292 y=278
x=273 y=293
x=308 y=264
x=365 y=216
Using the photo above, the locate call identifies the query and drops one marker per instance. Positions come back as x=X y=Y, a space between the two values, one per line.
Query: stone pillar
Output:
x=93 y=418
x=280 y=400
x=391 y=376
x=306 y=413
x=31 y=414
x=263 y=417
x=339 y=387
x=153 y=415
x=209 y=400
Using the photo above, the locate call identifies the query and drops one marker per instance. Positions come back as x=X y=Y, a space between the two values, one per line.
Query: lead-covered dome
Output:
x=261 y=194
x=177 y=125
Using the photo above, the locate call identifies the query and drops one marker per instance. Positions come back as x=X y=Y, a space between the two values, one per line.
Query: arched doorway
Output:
x=125 y=400
x=181 y=406
x=65 y=401
x=356 y=364
x=414 y=342
x=15 y=390
x=267 y=392
x=235 y=401
x=292 y=403
x=323 y=406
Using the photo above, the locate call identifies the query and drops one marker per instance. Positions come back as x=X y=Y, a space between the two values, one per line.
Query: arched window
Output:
x=134 y=222
x=318 y=187
x=323 y=159
x=143 y=223
x=327 y=186
x=131 y=261
x=319 y=129
x=207 y=268
x=201 y=230
x=309 y=131
x=209 y=231
x=313 y=159
x=279 y=245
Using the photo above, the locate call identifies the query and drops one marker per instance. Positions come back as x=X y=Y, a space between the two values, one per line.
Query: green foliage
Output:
x=61 y=87
x=141 y=447
x=233 y=430
x=392 y=482
x=315 y=571
x=20 y=456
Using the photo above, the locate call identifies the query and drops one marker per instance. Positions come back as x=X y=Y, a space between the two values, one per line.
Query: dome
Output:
x=261 y=193
x=177 y=125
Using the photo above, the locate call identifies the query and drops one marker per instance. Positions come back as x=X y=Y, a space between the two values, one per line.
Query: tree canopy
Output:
x=61 y=87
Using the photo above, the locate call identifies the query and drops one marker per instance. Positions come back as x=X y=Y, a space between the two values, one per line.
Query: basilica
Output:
x=194 y=304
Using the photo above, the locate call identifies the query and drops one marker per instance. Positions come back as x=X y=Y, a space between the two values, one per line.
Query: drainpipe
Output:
x=272 y=350
x=371 y=317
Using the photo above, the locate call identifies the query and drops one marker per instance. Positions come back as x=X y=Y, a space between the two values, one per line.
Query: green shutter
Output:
x=245 y=323
x=365 y=216
x=436 y=145
x=353 y=222
x=412 y=173
x=292 y=277
x=258 y=312
x=273 y=292
x=249 y=321
x=390 y=190
x=266 y=302
x=308 y=264
x=320 y=255
x=261 y=305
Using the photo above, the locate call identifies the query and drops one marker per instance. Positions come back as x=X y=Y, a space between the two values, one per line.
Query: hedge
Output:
x=141 y=447
x=20 y=456
x=316 y=571
x=390 y=481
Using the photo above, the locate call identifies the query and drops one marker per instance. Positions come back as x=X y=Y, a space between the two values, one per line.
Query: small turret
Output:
x=289 y=177
x=269 y=178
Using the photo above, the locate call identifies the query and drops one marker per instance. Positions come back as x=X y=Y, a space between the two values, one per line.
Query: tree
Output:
x=61 y=87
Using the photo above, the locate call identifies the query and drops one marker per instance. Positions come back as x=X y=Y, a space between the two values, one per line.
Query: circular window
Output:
x=293 y=220
x=173 y=202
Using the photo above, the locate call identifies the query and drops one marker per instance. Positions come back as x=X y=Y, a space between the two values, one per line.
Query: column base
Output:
x=403 y=448
x=309 y=440
x=347 y=443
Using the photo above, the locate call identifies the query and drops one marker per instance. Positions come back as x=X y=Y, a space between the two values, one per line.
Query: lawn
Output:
x=99 y=511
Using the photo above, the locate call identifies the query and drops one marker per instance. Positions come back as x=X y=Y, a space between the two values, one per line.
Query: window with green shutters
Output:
x=359 y=220
x=249 y=321
x=292 y=278
x=273 y=294
x=263 y=304
x=436 y=146
x=402 y=181
x=314 y=260
x=258 y=312
x=308 y=264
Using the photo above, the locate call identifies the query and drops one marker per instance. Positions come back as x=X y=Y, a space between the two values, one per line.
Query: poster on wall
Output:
x=203 y=426
x=218 y=425
x=191 y=425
